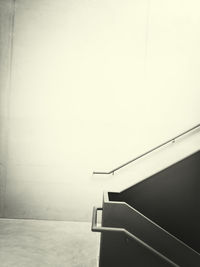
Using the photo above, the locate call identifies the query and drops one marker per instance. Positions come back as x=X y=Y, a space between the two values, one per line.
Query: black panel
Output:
x=121 y=215
x=117 y=250
x=171 y=198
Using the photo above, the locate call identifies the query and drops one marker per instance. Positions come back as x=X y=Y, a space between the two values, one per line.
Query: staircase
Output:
x=155 y=222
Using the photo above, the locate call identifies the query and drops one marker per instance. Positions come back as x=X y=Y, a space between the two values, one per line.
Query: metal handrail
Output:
x=103 y=229
x=172 y=140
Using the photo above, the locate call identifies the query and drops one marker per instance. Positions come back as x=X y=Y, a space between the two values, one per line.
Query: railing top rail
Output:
x=172 y=140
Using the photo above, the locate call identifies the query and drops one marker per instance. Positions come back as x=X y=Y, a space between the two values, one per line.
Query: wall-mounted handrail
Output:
x=172 y=140
x=102 y=229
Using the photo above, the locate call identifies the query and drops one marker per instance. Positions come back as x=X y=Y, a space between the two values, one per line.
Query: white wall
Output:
x=95 y=83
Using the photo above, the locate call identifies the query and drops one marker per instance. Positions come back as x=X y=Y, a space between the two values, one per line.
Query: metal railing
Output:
x=172 y=140
x=102 y=229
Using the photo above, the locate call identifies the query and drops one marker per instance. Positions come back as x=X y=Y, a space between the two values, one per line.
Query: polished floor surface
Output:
x=34 y=243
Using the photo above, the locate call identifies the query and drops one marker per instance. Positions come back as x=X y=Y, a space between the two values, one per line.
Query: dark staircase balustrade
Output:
x=155 y=222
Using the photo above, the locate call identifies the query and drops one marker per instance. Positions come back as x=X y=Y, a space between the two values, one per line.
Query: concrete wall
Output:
x=93 y=84
x=6 y=19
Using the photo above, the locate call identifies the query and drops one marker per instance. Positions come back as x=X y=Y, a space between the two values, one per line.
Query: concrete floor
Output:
x=34 y=243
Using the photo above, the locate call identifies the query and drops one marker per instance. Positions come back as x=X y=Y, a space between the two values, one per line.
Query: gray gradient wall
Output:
x=87 y=85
